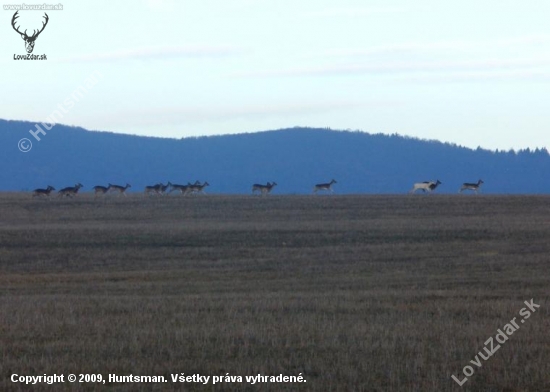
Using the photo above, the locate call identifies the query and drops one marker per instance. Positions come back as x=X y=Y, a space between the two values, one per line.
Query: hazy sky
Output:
x=476 y=73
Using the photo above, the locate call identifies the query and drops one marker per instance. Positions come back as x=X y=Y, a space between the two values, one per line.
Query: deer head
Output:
x=29 y=41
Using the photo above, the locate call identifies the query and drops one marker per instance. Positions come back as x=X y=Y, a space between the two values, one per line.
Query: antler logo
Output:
x=29 y=41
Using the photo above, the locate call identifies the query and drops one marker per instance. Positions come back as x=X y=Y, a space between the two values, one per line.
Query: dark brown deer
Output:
x=263 y=189
x=70 y=191
x=43 y=192
x=198 y=187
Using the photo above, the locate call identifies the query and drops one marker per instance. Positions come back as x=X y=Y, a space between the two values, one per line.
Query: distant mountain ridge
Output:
x=295 y=158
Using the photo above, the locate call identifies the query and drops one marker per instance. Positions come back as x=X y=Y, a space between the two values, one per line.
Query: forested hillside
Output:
x=295 y=158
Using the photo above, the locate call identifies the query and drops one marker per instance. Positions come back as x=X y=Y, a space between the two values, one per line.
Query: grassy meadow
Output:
x=356 y=293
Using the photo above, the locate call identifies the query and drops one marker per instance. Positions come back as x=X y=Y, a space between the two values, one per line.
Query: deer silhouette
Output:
x=29 y=41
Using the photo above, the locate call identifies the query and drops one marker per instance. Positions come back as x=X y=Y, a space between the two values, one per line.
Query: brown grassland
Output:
x=356 y=293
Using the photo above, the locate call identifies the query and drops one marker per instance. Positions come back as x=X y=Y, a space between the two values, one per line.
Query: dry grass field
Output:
x=356 y=293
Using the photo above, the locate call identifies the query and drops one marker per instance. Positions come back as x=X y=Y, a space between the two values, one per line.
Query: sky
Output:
x=474 y=73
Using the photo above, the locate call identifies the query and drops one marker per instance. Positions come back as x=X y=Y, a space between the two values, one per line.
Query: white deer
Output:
x=426 y=186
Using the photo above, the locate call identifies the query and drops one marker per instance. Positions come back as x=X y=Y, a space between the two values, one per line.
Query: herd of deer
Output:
x=100 y=190
x=197 y=188
x=429 y=186
x=160 y=189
